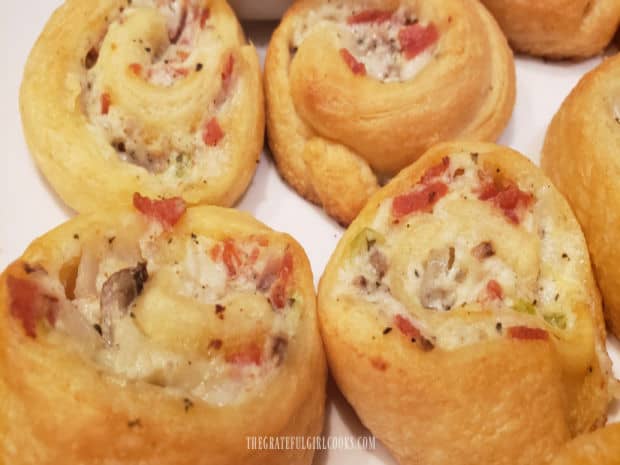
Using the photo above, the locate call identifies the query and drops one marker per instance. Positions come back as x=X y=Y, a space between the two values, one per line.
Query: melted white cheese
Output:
x=375 y=44
x=204 y=280
x=526 y=263
x=181 y=158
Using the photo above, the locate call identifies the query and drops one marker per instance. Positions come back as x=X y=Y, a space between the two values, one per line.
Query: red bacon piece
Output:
x=436 y=171
x=215 y=251
x=136 y=68
x=370 y=16
x=405 y=327
x=508 y=197
x=420 y=200
x=250 y=355
x=278 y=290
x=204 y=16
x=167 y=211
x=415 y=38
x=106 y=100
x=523 y=332
x=510 y=200
x=231 y=258
x=181 y=71
x=254 y=256
x=29 y=304
x=489 y=191
x=495 y=291
x=228 y=68
x=213 y=133
x=425 y=198
x=356 y=67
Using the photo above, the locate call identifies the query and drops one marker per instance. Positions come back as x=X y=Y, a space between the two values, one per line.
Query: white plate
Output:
x=29 y=207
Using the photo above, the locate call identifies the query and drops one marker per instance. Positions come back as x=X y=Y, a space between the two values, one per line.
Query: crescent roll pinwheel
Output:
x=162 y=97
x=159 y=336
x=557 y=28
x=601 y=447
x=460 y=315
x=358 y=90
x=580 y=156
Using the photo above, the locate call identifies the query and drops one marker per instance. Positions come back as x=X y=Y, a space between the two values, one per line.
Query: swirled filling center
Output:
x=386 y=45
x=202 y=317
x=155 y=85
x=467 y=239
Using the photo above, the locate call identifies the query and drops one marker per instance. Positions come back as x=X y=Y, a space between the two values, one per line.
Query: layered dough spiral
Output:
x=162 y=336
x=580 y=155
x=460 y=315
x=557 y=28
x=162 y=97
x=358 y=90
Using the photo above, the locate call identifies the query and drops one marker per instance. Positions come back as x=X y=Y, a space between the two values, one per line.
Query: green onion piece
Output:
x=523 y=306
x=365 y=241
x=556 y=319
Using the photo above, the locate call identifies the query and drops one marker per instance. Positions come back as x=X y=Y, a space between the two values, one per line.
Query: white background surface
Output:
x=28 y=207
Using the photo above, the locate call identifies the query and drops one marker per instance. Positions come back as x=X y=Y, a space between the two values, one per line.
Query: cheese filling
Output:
x=374 y=41
x=465 y=239
x=179 y=155
x=206 y=318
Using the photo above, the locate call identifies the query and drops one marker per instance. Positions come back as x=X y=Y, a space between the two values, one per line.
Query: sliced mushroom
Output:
x=154 y=162
x=438 y=298
x=483 y=250
x=360 y=281
x=426 y=344
x=269 y=274
x=176 y=23
x=117 y=294
x=438 y=288
x=379 y=263
x=278 y=349
x=91 y=58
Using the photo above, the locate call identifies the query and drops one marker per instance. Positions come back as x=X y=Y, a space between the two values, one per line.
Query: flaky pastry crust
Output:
x=430 y=329
x=163 y=98
x=580 y=157
x=67 y=396
x=557 y=28
x=360 y=90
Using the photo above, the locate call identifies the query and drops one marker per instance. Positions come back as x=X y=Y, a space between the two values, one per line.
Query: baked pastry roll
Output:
x=359 y=90
x=127 y=338
x=460 y=316
x=557 y=28
x=601 y=447
x=580 y=157
x=159 y=97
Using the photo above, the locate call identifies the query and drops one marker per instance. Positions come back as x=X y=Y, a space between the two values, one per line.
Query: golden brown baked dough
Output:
x=601 y=447
x=159 y=97
x=580 y=156
x=359 y=90
x=557 y=28
x=128 y=340
x=460 y=315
